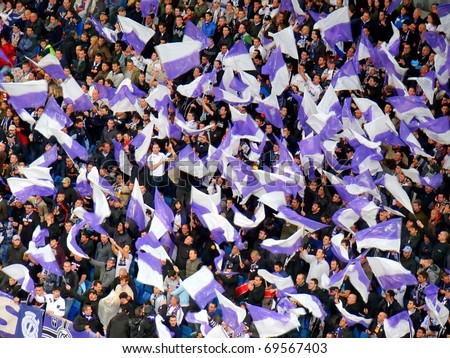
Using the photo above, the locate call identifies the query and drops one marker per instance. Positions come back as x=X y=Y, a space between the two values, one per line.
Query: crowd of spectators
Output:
x=31 y=30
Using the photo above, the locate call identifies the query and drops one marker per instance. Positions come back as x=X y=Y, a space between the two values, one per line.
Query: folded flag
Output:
x=292 y=217
x=286 y=246
x=438 y=129
x=135 y=34
x=72 y=244
x=193 y=34
x=390 y=274
x=199 y=318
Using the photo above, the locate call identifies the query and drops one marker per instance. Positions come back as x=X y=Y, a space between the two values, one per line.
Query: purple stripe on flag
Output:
x=177 y=67
x=194 y=33
x=392 y=282
x=29 y=100
x=339 y=32
x=55 y=71
x=33 y=190
x=136 y=212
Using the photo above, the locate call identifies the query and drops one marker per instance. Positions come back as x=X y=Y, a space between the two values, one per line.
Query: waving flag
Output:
x=398 y=326
x=29 y=94
x=438 y=129
x=149 y=243
x=368 y=210
x=400 y=88
x=20 y=273
x=389 y=61
x=365 y=49
x=52 y=119
x=433 y=180
x=444 y=17
x=390 y=274
x=108 y=34
x=286 y=41
x=233 y=315
x=427 y=83
x=242 y=221
x=359 y=279
x=187 y=161
x=149 y=7
x=23 y=188
x=197 y=87
x=39 y=236
x=408 y=137
x=271 y=109
x=74 y=95
x=366 y=159
x=121 y=158
x=394 y=42
x=179 y=57
x=135 y=34
x=345 y=218
x=70 y=145
x=136 y=209
x=292 y=217
x=72 y=244
x=205 y=203
x=25 y=116
x=202 y=286
x=82 y=185
x=382 y=129
x=200 y=318
x=45 y=257
x=4 y=57
x=161 y=328
x=216 y=222
x=142 y=148
x=46 y=159
x=125 y=101
x=277 y=71
x=438 y=310
x=50 y=64
x=284 y=284
x=238 y=58
x=150 y=270
x=311 y=303
x=352 y=319
x=193 y=34
x=230 y=98
x=335 y=27
x=287 y=246
x=347 y=78
x=162 y=210
x=384 y=236
x=272 y=324
x=394 y=187
x=436 y=41
x=411 y=107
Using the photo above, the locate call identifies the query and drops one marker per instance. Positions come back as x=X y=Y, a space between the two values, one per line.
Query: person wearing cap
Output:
x=55 y=303
x=106 y=270
x=15 y=253
x=407 y=260
x=70 y=194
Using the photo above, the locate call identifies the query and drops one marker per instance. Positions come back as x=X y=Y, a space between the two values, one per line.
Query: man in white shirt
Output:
x=55 y=303
x=317 y=265
x=258 y=46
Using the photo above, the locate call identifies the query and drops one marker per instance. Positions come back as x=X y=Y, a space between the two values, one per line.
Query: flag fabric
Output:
x=411 y=107
x=365 y=48
x=209 y=203
x=427 y=83
x=202 y=286
x=150 y=270
x=23 y=188
x=186 y=161
x=39 y=236
x=392 y=184
x=238 y=58
x=444 y=17
x=50 y=64
x=338 y=249
x=72 y=244
x=136 y=209
x=438 y=129
x=52 y=119
x=311 y=303
x=276 y=69
x=398 y=326
x=292 y=6
x=366 y=159
x=283 y=284
x=335 y=27
x=436 y=41
x=390 y=63
x=352 y=319
x=200 y=318
x=150 y=243
x=241 y=220
x=70 y=145
x=179 y=57
x=272 y=324
x=292 y=217
x=46 y=159
x=197 y=87
x=286 y=41
x=384 y=236
x=216 y=222
x=145 y=139
x=20 y=273
x=232 y=315
x=121 y=158
x=382 y=129
x=433 y=180
x=193 y=34
x=438 y=310
x=108 y=34
x=366 y=209
x=135 y=34
x=390 y=274
x=286 y=246
x=408 y=137
x=29 y=94
x=125 y=101
x=25 y=116
x=347 y=77
x=149 y=6
x=394 y=42
x=230 y=98
x=162 y=330
x=45 y=257
x=74 y=95
x=345 y=218
x=82 y=185
x=162 y=210
x=271 y=109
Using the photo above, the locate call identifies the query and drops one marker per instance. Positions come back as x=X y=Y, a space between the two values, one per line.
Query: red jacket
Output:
x=10 y=52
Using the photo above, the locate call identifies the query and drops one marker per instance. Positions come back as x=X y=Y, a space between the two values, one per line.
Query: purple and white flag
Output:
x=292 y=217
x=436 y=41
x=427 y=83
x=365 y=49
x=232 y=315
x=394 y=42
x=162 y=330
x=360 y=184
x=277 y=71
x=50 y=64
x=408 y=137
x=70 y=145
x=193 y=34
x=369 y=108
x=46 y=159
x=150 y=243
x=271 y=109
x=209 y=203
x=444 y=17
x=39 y=236
x=383 y=130
x=72 y=244
x=145 y=139
x=202 y=286
x=23 y=188
x=162 y=210
x=82 y=185
x=438 y=129
x=347 y=79
x=216 y=222
x=272 y=324
x=368 y=210
x=359 y=279
x=149 y=7
x=389 y=61
x=400 y=88
x=135 y=34
x=74 y=95
x=187 y=161
x=25 y=116
x=20 y=273
x=398 y=325
x=121 y=158
x=29 y=94
x=179 y=57
x=335 y=27
x=284 y=284
x=52 y=119
x=311 y=303
x=125 y=101
x=366 y=159
x=286 y=41
x=345 y=218
x=394 y=4
x=231 y=98
x=136 y=208
x=392 y=184
x=286 y=246
x=200 y=318
x=338 y=249
x=411 y=107
x=438 y=310
x=238 y=58
x=352 y=319
x=197 y=87
x=242 y=221
x=108 y=34
x=45 y=257
x=433 y=180
x=390 y=274
x=150 y=270
x=104 y=91
x=293 y=6
x=384 y=236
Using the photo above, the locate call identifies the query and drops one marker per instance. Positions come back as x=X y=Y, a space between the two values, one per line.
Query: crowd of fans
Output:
x=31 y=30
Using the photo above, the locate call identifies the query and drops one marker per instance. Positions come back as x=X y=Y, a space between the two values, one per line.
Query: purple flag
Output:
x=150 y=270
x=20 y=273
x=45 y=257
x=193 y=33
x=179 y=57
x=121 y=157
x=390 y=274
x=384 y=236
x=72 y=244
x=105 y=91
x=296 y=219
x=23 y=188
x=436 y=41
x=311 y=303
x=394 y=4
x=271 y=110
x=50 y=64
x=39 y=236
x=270 y=323
x=29 y=94
x=71 y=146
x=135 y=34
x=108 y=34
x=54 y=111
x=162 y=210
x=347 y=77
x=398 y=326
x=287 y=246
x=335 y=27
x=202 y=286
x=438 y=129
x=46 y=159
x=73 y=94
x=136 y=209
x=233 y=315
x=4 y=57
x=277 y=71
x=149 y=7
